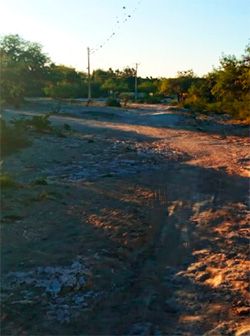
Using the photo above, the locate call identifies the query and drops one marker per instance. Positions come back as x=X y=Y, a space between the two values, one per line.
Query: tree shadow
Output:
x=174 y=240
x=153 y=115
x=144 y=230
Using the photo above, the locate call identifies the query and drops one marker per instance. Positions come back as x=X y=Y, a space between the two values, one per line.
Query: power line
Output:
x=92 y=51
x=119 y=21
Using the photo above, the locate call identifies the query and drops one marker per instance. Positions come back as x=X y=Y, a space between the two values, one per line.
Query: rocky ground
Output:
x=132 y=222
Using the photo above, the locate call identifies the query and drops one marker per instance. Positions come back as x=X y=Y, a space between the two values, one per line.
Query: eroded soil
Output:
x=133 y=223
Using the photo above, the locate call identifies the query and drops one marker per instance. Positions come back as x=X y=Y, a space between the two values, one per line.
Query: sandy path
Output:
x=159 y=215
x=220 y=151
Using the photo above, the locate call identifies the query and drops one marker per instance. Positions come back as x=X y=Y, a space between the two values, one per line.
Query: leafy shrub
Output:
x=224 y=90
x=41 y=123
x=113 y=102
x=23 y=69
x=63 y=90
x=67 y=127
x=195 y=104
x=237 y=109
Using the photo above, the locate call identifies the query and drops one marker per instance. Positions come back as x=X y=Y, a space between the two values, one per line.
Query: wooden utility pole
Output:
x=89 y=79
x=136 y=82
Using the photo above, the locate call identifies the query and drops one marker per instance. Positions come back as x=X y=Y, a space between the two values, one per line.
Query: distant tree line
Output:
x=27 y=72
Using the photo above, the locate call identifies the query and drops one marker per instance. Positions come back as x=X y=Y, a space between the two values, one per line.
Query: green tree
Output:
x=115 y=86
x=178 y=86
x=225 y=89
x=65 y=82
x=228 y=85
x=23 y=69
x=148 y=86
x=128 y=77
x=103 y=82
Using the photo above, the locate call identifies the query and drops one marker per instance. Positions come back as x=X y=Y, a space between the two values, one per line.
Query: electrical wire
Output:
x=118 y=24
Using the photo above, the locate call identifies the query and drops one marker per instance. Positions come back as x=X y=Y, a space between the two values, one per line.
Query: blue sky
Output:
x=163 y=36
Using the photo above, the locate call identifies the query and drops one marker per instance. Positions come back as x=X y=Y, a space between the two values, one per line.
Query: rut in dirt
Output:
x=159 y=296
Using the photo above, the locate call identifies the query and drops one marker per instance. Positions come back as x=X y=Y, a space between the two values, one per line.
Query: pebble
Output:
x=61 y=305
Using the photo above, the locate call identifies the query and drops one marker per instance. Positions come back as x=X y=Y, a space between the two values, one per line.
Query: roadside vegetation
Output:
x=17 y=133
x=27 y=72
x=113 y=102
x=13 y=138
x=6 y=181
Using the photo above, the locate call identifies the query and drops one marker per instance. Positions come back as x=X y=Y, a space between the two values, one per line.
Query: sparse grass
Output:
x=12 y=138
x=43 y=196
x=58 y=132
x=40 y=181
x=67 y=127
x=40 y=123
x=6 y=181
x=15 y=135
x=20 y=123
x=46 y=196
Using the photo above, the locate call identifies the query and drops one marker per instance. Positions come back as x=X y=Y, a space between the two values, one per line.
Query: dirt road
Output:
x=133 y=223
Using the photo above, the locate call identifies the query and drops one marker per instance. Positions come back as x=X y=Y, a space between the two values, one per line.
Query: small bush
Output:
x=58 y=132
x=236 y=109
x=113 y=102
x=20 y=123
x=67 y=127
x=40 y=181
x=12 y=138
x=40 y=123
